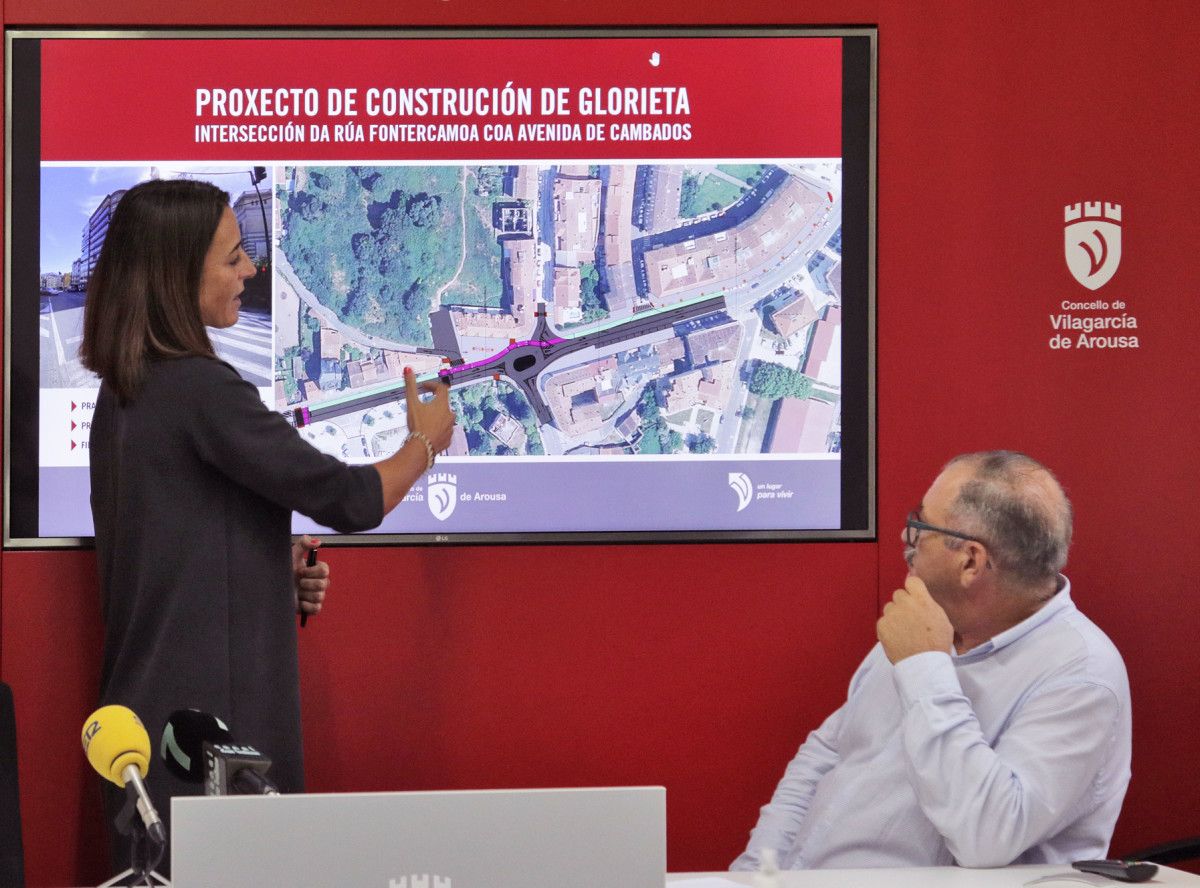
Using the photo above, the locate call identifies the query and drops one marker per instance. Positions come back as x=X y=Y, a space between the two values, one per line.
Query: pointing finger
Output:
x=411 y=397
x=432 y=387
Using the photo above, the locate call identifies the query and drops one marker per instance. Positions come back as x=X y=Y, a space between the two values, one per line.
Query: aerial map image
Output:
x=575 y=309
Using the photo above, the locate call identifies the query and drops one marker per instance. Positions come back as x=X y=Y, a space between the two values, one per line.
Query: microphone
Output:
x=183 y=739
x=118 y=747
x=199 y=748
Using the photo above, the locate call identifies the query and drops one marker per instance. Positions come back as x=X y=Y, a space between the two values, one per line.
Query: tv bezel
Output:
x=862 y=474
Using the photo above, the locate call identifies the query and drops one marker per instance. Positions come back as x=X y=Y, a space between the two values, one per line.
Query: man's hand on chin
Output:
x=913 y=623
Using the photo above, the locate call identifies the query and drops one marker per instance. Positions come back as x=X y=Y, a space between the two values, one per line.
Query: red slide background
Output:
x=701 y=667
x=89 y=74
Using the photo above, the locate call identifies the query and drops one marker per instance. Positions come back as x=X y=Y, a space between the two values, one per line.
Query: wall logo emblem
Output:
x=443 y=495
x=741 y=485
x=1092 y=240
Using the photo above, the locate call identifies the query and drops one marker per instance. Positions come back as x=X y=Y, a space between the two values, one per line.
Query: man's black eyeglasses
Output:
x=914 y=525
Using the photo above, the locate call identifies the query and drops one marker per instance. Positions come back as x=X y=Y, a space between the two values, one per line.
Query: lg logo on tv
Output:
x=425 y=881
x=1092 y=241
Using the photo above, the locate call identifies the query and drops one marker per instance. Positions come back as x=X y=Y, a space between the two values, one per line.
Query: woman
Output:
x=194 y=481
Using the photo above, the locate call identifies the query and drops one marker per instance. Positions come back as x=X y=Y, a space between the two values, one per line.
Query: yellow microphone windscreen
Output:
x=113 y=739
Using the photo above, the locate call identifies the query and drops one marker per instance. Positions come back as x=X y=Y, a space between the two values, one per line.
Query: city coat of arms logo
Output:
x=1092 y=240
x=443 y=495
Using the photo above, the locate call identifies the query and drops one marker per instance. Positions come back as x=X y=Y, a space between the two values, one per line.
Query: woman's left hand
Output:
x=309 y=582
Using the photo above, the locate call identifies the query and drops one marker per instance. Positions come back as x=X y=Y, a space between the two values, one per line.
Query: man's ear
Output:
x=973 y=563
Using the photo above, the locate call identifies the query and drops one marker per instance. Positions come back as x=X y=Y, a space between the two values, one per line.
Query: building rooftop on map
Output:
x=681 y=391
x=707 y=263
x=362 y=372
x=834 y=278
x=669 y=351
x=640 y=362
x=575 y=170
x=566 y=294
x=520 y=262
x=794 y=316
x=706 y=386
x=622 y=174
x=483 y=322
x=331 y=343
x=576 y=218
x=585 y=412
x=630 y=426
x=620 y=303
x=391 y=364
x=715 y=344
x=522 y=183
x=665 y=183
x=586 y=376
x=801 y=426
x=690 y=268
x=822 y=341
x=509 y=432
x=581 y=397
x=332 y=374
x=711 y=390
x=395 y=363
x=618 y=215
x=512 y=218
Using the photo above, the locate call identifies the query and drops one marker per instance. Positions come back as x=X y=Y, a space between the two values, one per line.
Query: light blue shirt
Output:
x=1014 y=752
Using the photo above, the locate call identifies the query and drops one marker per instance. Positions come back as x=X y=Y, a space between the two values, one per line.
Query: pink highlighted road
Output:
x=463 y=367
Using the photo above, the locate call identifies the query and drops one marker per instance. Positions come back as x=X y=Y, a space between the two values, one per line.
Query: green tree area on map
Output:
x=657 y=436
x=479 y=280
x=283 y=370
x=374 y=244
x=705 y=194
x=479 y=406
x=774 y=381
x=749 y=173
x=591 y=300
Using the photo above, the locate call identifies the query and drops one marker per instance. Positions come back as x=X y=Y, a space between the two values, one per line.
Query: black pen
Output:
x=311 y=561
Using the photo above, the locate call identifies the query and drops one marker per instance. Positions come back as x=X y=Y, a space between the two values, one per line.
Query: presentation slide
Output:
x=641 y=263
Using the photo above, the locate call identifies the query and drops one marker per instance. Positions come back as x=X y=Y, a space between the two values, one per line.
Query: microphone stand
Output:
x=144 y=853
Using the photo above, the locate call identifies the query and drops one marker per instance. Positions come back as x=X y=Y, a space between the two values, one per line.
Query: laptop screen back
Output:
x=534 y=838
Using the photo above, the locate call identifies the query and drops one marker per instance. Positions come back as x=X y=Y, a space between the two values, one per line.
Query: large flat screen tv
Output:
x=643 y=260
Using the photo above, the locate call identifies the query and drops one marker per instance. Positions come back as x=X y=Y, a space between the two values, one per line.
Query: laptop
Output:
x=609 y=837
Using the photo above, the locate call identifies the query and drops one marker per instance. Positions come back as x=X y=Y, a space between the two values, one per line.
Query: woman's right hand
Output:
x=433 y=418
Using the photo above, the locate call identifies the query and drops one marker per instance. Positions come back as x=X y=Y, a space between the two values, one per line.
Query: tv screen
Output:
x=643 y=262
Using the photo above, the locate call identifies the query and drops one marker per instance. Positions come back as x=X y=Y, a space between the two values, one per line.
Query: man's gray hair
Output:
x=1018 y=509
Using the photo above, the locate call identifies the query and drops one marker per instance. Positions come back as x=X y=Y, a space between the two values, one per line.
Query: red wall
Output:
x=701 y=667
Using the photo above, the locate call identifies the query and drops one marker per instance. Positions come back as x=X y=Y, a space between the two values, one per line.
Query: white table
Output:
x=925 y=877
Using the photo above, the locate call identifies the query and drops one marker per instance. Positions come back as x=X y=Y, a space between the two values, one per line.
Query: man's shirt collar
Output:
x=1056 y=605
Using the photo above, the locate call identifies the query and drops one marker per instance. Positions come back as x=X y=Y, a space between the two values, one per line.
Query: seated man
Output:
x=991 y=724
